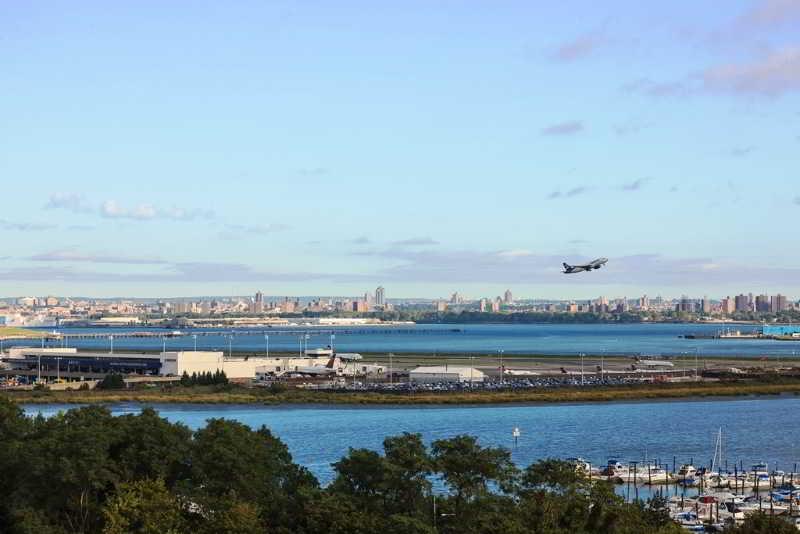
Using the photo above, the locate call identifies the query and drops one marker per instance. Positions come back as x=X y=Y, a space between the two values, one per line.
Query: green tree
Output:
x=407 y=468
x=111 y=381
x=143 y=506
x=468 y=468
x=361 y=476
x=229 y=461
x=761 y=523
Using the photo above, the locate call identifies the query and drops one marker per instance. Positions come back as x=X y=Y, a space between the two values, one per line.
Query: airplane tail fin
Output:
x=566 y=266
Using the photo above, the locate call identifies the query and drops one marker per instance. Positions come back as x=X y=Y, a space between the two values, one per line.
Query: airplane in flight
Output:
x=596 y=264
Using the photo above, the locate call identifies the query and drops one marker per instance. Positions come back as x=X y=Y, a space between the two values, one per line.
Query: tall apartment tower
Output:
x=380 y=297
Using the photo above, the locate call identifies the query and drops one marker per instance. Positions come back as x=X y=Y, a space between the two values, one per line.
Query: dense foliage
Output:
x=85 y=471
x=204 y=379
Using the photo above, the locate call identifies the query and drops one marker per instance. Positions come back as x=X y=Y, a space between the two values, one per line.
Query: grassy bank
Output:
x=13 y=332
x=241 y=395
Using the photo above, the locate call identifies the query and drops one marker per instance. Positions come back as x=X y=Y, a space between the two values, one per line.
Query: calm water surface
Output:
x=648 y=339
x=755 y=429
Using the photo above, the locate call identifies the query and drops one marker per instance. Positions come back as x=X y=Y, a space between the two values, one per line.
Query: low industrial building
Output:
x=69 y=363
x=446 y=373
x=72 y=364
x=791 y=330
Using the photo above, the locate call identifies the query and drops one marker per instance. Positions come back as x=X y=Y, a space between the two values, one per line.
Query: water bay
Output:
x=755 y=429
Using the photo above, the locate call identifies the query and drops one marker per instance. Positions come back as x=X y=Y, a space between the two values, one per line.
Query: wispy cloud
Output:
x=314 y=171
x=767 y=14
x=73 y=202
x=258 y=229
x=797 y=201
x=635 y=185
x=661 y=89
x=563 y=128
x=174 y=273
x=415 y=242
x=25 y=226
x=569 y=193
x=578 y=48
x=72 y=255
x=475 y=266
x=111 y=209
x=630 y=127
x=361 y=240
x=740 y=151
x=772 y=74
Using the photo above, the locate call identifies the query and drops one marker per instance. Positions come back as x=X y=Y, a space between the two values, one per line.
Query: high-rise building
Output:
x=742 y=303
x=762 y=303
x=482 y=305
x=508 y=298
x=496 y=303
x=705 y=304
x=728 y=306
x=456 y=298
x=258 y=302
x=777 y=303
x=380 y=297
x=644 y=303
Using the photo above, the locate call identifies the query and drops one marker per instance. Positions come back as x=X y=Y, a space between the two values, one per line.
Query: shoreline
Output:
x=295 y=397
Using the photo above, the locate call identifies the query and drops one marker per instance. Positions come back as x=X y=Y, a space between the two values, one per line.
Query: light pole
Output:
x=111 y=339
x=502 y=370
x=333 y=336
x=266 y=343
x=471 y=367
x=230 y=345
x=581 y=368
x=390 y=368
x=194 y=337
x=602 y=365
x=58 y=368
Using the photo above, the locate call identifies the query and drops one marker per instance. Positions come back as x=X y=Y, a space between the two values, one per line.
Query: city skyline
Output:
x=313 y=149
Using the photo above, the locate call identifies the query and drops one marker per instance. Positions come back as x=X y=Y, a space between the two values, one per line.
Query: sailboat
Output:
x=714 y=477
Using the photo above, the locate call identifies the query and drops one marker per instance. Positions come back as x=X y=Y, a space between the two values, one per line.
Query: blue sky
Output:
x=327 y=147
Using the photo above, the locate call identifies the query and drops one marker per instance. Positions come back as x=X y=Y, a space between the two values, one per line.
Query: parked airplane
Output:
x=596 y=264
x=333 y=367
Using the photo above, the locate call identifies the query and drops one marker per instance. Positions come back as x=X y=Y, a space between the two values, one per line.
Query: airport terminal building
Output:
x=73 y=364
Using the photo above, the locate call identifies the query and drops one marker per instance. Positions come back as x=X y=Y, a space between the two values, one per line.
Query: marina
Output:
x=711 y=471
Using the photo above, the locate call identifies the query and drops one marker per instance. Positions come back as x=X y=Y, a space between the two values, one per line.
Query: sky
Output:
x=218 y=148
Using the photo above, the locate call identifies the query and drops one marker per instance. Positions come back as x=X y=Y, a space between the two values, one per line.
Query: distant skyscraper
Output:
x=482 y=305
x=456 y=298
x=777 y=303
x=742 y=303
x=380 y=297
x=728 y=306
x=705 y=304
x=508 y=298
x=762 y=303
x=258 y=302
